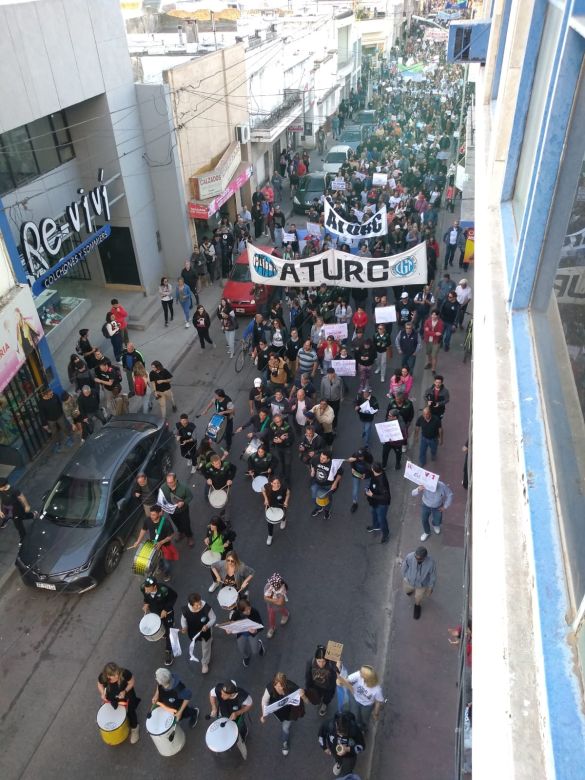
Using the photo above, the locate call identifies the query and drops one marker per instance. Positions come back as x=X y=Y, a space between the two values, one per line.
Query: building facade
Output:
x=529 y=393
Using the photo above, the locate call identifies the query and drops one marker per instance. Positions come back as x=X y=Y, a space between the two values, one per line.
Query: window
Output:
x=33 y=150
x=122 y=483
x=138 y=455
x=534 y=118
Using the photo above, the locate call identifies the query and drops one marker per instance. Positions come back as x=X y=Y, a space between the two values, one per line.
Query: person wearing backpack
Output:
x=111 y=330
x=142 y=386
x=130 y=356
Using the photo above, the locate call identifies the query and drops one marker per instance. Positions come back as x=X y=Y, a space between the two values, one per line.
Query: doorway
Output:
x=118 y=258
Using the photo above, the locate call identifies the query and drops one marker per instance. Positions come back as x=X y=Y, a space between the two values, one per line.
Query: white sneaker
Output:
x=134 y=735
x=404 y=448
x=187 y=324
x=213 y=587
x=282 y=525
x=437 y=529
x=423 y=538
x=193 y=470
x=269 y=540
x=377 y=371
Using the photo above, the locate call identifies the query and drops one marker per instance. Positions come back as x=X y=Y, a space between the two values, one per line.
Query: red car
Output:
x=241 y=291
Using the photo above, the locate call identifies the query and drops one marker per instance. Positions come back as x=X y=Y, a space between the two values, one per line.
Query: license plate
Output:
x=240 y=311
x=46 y=585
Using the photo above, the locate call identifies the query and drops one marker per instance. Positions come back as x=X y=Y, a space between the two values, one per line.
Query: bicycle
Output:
x=468 y=340
x=243 y=350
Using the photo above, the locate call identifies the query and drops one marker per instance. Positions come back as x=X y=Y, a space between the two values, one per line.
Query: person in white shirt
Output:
x=463 y=293
x=366 y=695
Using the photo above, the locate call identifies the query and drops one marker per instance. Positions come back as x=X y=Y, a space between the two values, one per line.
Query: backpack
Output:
x=105 y=333
x=139 y=385
x=78 y=348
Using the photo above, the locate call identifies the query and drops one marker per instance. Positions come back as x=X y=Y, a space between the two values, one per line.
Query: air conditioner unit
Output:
x=468 y=41
x=243 y=133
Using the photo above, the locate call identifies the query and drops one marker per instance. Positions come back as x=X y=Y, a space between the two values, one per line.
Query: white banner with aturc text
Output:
x=375 y=226
x=339 y=269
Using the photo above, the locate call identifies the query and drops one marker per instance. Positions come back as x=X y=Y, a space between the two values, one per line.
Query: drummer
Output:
x=259 y=422
x=172 y=695
x=179 y=495
x=224 y=406
x=197 y=620
x=232 y=572
x=161 y=531
x=321 y=481
x=160 y=600
x=185 y=435
x=116 y=686
x=276 y=495
x=219 y=474
x=228 y=700
x=260 y=463
x=219 y=539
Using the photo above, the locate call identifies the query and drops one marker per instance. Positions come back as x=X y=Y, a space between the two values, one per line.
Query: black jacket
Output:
x=50 y=409
x=380 y=489
x=89 y=404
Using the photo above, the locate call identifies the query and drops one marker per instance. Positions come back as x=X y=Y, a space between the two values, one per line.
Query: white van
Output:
x=336 y=156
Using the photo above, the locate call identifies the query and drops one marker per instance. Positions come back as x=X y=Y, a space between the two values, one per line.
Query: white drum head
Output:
x=209 y=557
x=227 y=597
x=274 y=514
x=221 y=735
x=160 y=722
x=150 y=624
x=109 y=719
x=217 y=498
x=258 y=483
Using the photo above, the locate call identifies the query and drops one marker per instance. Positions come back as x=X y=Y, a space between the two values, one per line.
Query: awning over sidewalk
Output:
x=203 y=209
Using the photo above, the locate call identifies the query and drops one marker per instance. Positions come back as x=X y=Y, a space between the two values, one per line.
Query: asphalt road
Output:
x=340 y=585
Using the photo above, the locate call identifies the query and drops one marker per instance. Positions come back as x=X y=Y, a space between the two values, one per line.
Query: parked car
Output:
x=90 y=513
x=310 y=186
x=336 y=156
x=240 y=290
x=353 y=136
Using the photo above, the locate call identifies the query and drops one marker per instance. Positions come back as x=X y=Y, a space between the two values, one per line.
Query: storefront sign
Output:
x=214 y=182
x=206 y=210
x=20 y=333
x=340 y=268
x=296 y=128
x=42 y=242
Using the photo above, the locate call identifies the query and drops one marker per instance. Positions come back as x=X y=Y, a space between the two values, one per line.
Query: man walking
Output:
x=419 y=574
x=366 y=406
x=433 y=505
x=332 y=392
x=452 y=239
x=13 y=506
x=178 y=495
x=449 y=313
x=430 y=430
x=378 y=495
x=130 y=356
x=53 y=420
x=408 y=344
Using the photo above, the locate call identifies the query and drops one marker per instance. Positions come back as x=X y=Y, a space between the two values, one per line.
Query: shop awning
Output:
x=203 y=209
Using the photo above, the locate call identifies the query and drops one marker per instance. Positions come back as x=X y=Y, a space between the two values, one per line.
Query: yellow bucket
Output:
x=323 y=500
x=113 y=724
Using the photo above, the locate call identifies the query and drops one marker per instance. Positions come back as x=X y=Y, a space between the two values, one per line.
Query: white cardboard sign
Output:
x=337 y=329
x=389 y=431
x=344 y=367
x=385 y=314
x=420 y=476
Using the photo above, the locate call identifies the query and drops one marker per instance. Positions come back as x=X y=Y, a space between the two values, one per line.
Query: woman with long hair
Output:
x=279 y=687
x=165 y=292
x=116 y=685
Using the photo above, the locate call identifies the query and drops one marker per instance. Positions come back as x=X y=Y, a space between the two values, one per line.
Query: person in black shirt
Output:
x=188 y=443
x=13 y=506
x=429 y=427
x=173 y=695
x=160 y=600
x=342 y=738
x=361 y=462
x=323 y=482
x=321 y=680
x=161 y=531
x=258 y=396
x=378 y=495
x=276 y=495
x=116 y=685
x=393 y=413
x=88 y=403
x=159 y=379
x=247 y=642
x=197 y=620
x=282 y=438
x=437 y=396
x=224 y=406
x=260 y=463
x=311 y=445
x=227 y=700
x=53 y=420
x=85 y=349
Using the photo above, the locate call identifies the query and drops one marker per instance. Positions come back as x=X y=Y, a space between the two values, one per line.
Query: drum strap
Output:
x=264 y=424
x=159 y=529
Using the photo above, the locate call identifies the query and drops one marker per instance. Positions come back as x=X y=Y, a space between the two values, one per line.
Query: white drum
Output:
x=217 y=498
x=151 y=627
x=221 y=735
x=258 y=483
x=209 y=558
x=166 y=733
x=274 y=514
x=227 y=597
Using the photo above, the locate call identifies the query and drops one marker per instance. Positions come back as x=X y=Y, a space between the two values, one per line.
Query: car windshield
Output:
x=241 y=273
x=352 y=135
x=75 y=501
x=336 y=157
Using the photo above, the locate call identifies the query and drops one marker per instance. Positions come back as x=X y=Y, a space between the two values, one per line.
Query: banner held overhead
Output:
x=340 y=269
x=376 y=226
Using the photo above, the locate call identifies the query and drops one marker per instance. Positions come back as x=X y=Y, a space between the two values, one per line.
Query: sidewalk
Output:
x=422 y=671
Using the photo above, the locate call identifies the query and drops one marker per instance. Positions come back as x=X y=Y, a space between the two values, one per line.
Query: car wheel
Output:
x=112 y=556
x=166 y=464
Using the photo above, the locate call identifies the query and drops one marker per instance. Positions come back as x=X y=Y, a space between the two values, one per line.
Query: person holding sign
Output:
x=280 y=691
x=393 y=413
x=321 y=679
x=366 y=406
x=433 y=504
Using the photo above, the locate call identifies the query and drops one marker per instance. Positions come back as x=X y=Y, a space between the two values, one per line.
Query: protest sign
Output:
x=380 y=179
x=288 y=238
x=420 y=476
x=239 y=626
x=385 y=314
x=336 y=329
x=292 y=699
x=343 y=367
x=389 y=431
x=333 y=651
